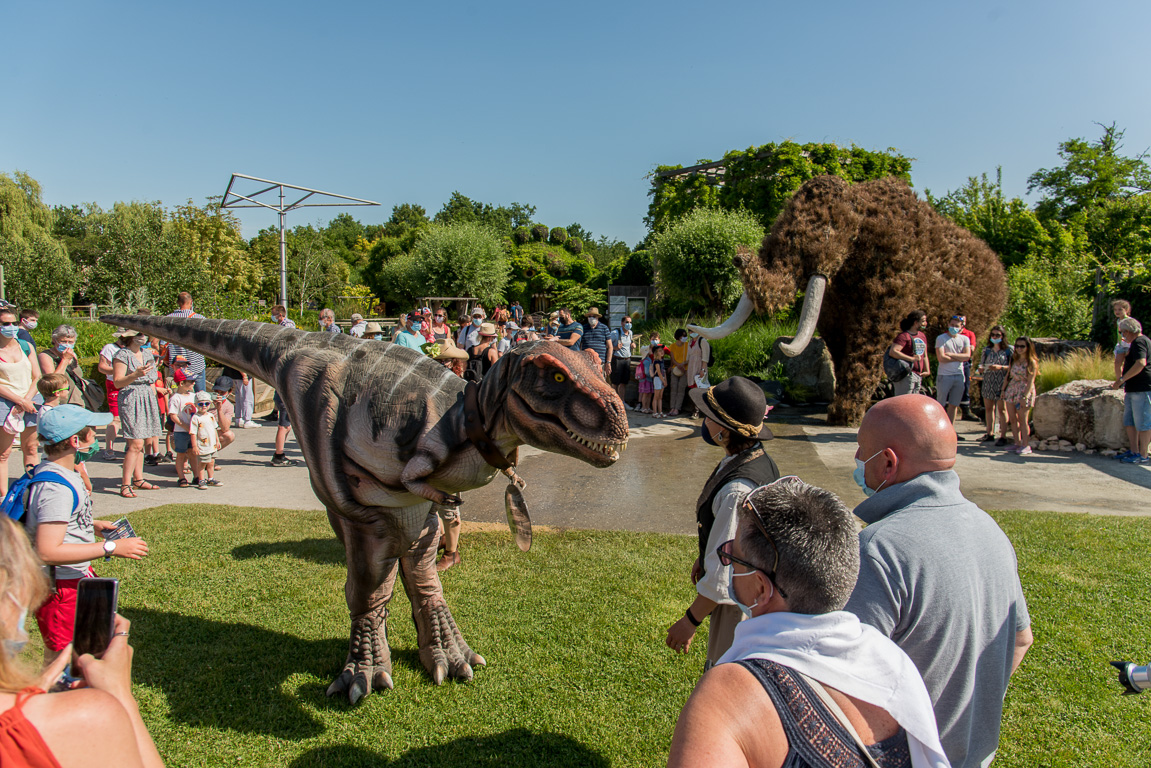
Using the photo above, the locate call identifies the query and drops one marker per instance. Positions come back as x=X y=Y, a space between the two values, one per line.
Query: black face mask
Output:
x=706 y=434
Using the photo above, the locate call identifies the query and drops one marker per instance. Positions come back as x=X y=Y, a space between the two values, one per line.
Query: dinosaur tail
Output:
x=243 y=344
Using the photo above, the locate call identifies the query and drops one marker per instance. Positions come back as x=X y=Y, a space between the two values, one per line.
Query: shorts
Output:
x=281 y=411
x=57 y=616
x=206 y=456
x=113 y=398
x=1137 y=410
x=949 y=388
x=620 y=370
x=656 y=385
x=182 y=442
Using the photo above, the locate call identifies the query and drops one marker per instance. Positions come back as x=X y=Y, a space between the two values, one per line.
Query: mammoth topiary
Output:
x=868 y=254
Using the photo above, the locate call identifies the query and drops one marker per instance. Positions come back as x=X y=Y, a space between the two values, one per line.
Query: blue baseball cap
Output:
x=63 y=421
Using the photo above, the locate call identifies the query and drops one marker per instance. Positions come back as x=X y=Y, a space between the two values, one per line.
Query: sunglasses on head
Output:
x=727 y=558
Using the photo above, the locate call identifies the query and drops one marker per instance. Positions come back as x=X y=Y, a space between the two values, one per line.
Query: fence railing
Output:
x=90 y=311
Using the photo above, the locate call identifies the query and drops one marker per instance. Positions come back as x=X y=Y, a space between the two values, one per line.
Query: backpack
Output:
x=895 y=369
x=16 y=501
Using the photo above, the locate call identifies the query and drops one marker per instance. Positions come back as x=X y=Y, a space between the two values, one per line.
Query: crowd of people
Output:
x=827 y=644
x=1007 y=373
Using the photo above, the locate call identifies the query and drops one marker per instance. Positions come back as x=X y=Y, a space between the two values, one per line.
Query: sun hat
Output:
x=593 y=312
x=202 y=397
x=487 y=329
x=123 y=333
x=450 y=351
x=63 y=421
x=373 y=327
x=738 y=404
x=357 y=316
x=511 y=325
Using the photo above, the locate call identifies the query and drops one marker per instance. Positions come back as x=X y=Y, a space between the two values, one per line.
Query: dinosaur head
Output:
x=557 y=400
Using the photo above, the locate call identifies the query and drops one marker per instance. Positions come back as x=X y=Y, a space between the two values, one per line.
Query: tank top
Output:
x=21 y=745
x=17 y=376
x=815 y=737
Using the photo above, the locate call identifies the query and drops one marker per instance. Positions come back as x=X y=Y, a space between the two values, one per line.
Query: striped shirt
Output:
x=195 y=359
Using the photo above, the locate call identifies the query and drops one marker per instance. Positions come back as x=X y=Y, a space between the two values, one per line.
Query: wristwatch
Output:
x=109 y=547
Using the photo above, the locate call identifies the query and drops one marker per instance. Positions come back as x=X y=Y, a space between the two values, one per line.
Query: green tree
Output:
x=461 y=209
x=315 y=271
x=211 y=236
x=1092 y=174
x=398 y=236
x=37 y=271
x=1011 y=228
x=461 y=259
x=693 y=255
x=761 y=179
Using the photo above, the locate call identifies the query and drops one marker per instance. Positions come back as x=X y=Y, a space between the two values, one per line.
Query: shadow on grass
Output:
x=231 y=676
x=326 y=551
x=518 y=747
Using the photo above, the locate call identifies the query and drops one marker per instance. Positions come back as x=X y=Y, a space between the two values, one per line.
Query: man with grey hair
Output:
x=937 y=575
x=358 y=326
x=805 y=683
x=328 y=321
x=1136 y=383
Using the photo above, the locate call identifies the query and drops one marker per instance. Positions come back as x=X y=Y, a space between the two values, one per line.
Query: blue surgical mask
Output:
x=627 y=326
x=65 y=347
x=10 y=331
x=477 y=321
x=417 y=326
x=13 y=647
x=857 y=475
x=655 y=344
x=378 y=337
x=996 y=340
x=953 y=330
x=745 y=609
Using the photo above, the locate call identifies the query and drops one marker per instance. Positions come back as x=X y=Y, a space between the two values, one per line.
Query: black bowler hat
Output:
x=738 y=404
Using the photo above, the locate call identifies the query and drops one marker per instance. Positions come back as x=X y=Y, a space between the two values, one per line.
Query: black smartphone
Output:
x=95 y=616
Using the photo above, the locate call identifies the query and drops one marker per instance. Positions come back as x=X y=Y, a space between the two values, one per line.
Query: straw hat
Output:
x=449 y=351
x=488 y=329
x=594 y=312
x=372 y=327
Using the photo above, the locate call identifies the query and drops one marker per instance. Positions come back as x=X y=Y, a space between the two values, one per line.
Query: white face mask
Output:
x=857 y=475
x=31 y=324
x=747 y=609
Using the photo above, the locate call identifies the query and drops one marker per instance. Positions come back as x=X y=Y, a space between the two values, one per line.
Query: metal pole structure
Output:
x=250 y=200
x=283 y=254
x=2 y=296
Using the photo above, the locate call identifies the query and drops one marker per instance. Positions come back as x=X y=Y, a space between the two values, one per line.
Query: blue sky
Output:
x=564 y=106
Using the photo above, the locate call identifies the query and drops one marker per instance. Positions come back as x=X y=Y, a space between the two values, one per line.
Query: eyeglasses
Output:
x=1021 y=346
x=727 y=558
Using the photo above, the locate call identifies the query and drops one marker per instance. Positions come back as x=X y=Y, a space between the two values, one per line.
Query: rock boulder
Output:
x=1086 y=412
x=811 y=368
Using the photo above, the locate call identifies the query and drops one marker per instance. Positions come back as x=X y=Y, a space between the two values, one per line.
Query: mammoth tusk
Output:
x=812 y=302
x=742 y=311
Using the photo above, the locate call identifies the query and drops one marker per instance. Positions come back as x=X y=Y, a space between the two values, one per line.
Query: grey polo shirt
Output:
x=939 y=577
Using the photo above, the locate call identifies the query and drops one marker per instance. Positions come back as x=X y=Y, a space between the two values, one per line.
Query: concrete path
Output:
x=655 y=483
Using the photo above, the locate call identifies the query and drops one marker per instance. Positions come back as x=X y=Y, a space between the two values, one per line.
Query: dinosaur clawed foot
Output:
x=443 y=651
x=369 y=664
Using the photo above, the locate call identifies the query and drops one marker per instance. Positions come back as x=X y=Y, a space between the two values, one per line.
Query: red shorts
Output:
x=113 y=398
x=57 y=616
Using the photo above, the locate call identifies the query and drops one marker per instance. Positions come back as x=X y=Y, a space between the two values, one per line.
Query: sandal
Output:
x=144 y=485
x=127 y=492
x=182 y=483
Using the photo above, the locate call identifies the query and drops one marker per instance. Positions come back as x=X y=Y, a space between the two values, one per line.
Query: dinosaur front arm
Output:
x=415 y=477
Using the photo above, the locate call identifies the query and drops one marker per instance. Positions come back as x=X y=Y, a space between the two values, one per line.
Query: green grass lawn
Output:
x=239 y=625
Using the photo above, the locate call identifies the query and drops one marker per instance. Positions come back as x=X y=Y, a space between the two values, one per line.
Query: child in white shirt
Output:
x=204 y=431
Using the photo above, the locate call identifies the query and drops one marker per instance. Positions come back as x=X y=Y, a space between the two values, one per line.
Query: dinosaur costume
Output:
x=387 y=433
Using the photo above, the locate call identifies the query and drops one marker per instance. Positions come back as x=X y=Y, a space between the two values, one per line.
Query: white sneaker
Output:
x=250 y=425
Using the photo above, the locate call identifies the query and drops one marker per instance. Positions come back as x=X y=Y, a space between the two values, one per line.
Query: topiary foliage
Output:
x=539 y=233
x=574 y=244
x=521 y=235
x=557 y=264
x=558 y=236
x=884 y=253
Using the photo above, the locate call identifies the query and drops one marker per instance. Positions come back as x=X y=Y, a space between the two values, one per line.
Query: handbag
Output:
x=895 y=370
x=94 y=395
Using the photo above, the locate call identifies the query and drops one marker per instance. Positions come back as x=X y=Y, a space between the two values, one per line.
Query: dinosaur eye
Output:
x=559 y=377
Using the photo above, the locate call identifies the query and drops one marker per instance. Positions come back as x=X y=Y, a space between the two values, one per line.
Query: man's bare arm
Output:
x=1023 y=641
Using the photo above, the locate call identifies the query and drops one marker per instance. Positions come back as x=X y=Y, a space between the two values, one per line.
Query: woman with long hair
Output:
x=1019 y=392
x=993 y=368
x=44 y=729
x=19 y=372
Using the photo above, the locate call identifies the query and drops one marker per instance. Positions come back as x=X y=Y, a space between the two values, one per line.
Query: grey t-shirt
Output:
x=955 y=345
x=939 y=577
x=53 y=503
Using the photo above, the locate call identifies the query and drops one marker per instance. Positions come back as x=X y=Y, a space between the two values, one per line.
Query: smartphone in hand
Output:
x=96 y=601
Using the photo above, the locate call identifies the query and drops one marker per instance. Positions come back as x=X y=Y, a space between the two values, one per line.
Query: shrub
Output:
x=539 y=233
x=521 y=235
x=557 y=265
x=1080 y=364
x=575 y=245
x=558 y=236
x=693 y=257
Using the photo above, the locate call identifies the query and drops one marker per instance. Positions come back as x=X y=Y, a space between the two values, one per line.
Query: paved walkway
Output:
x=655 y=483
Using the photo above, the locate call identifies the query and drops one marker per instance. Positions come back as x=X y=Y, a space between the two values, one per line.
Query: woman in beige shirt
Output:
x=19 y=373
